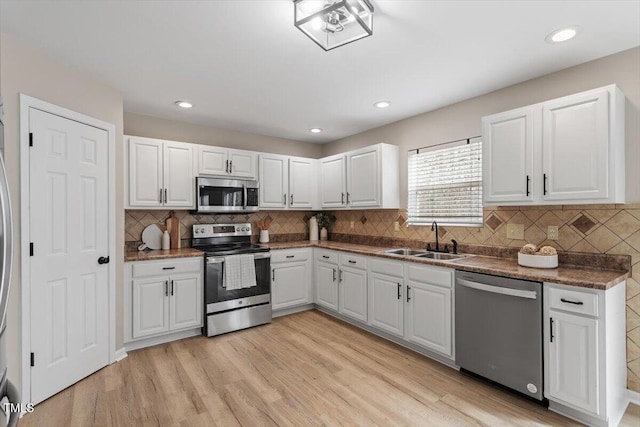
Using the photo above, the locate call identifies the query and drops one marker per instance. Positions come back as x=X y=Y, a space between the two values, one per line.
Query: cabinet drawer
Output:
x=388 y=268
x=431 y=275
x=354 y=261
x=326 y=256
x=574 y=301
x=166 y=267
x=289 y=255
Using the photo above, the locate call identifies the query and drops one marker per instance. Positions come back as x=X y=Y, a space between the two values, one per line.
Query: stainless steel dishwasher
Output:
x=499 y=330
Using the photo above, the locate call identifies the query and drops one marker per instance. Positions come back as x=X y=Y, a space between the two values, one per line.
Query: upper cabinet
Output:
x=364 y=178
x=220 y=161
x=160 y=174
x=288 y=182
x=567 y=150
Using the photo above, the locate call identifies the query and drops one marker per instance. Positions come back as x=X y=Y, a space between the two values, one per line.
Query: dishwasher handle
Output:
x=497 y=289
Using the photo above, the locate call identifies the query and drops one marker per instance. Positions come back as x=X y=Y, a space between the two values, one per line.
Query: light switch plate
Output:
x=552 y=232
x=515 y=231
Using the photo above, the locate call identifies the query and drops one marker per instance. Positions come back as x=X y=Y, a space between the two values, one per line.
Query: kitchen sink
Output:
x=440 y=256
x=405 y=251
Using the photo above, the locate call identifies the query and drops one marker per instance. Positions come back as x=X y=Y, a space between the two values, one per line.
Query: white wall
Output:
x=462 y=120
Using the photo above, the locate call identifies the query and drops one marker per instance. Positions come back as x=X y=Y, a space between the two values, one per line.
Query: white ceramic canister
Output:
x=313 y=229
x=264 y=236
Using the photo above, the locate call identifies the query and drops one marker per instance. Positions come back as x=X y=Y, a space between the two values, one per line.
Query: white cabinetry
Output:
x=585 y=375
x=386 y=307
x=326 y=280
x=566 y=150
x=221 y=161
x=291 y=278
x=160 y=174
x=288 y=182
x=364 y=178
x=352 y=296
x=162 y=296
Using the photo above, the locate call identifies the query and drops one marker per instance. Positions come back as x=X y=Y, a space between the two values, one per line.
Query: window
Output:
x=445 y=184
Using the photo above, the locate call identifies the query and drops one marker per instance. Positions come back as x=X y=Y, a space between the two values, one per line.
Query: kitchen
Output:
x=360 y=176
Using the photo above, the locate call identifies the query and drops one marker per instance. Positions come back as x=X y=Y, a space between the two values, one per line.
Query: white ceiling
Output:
x=245 y=66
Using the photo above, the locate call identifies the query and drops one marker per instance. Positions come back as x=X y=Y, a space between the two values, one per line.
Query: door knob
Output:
x=103 y=260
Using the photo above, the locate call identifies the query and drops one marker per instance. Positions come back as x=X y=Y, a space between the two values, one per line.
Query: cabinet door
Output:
x=327 y=285
x=273 y=182
x=573 y=360
x=428 y=316
x=386 y=304
x=242 y=163
x=289 y=284
x=185 y=291
x=353 y=293
x=575 y=147
x=213 y=160
x=150 y=306
x=145 y=172
x=179 y=184
x=363 y=178
x=332 y=182
x=507 y=156
x=302 y=183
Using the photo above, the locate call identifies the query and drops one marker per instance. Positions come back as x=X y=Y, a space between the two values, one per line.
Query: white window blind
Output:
x=445 y=184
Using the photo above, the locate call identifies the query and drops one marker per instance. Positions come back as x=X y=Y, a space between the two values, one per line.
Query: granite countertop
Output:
x=585 y=277
x=147 y=255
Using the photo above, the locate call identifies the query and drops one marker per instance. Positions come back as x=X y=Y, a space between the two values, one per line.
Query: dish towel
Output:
x=239 y=272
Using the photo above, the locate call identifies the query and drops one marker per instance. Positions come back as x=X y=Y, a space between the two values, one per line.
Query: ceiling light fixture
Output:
x=333 y=23
x=563 y=34
x=184 y=104
x=382 y=104
x=315 y=130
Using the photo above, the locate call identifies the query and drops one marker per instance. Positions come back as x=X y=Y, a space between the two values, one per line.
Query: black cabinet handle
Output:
x=325 y=256
x=544 y=183
x=166 y=288
x=168 y=268
x=399 y=296
x=551 y=329
x=230 y=166
x=284 y=199
x=160 y=200
x=342 y=197
x=165 y=195
x=347 y=197
x=352 y=261
x=226 y=167
x=172 y=288
x=273 y=274
x=571 y=302
x=528 y=179
x=291 y=199
x=334 y=274
x=408 y=289
x=103 y=260
x=290 y=256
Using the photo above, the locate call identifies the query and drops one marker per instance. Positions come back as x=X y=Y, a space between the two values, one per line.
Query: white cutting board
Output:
x=151 y=237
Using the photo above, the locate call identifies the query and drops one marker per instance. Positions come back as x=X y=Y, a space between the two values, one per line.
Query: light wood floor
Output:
x=306 y=369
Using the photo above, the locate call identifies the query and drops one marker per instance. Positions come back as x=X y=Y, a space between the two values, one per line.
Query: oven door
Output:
x=218 y=298
x=226 y=195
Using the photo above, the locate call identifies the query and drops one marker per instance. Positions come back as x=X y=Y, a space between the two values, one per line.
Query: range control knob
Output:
x=202 y=230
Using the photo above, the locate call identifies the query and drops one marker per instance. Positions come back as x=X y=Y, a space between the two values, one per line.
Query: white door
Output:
x=273 y=182
x=428 y=316
x=69 y=225
x=507 y=156
x=179 y=181
x=353 y=293
x=302 y=183
x=573 y=361
x=150 y=306
x=289 y=285
x=385 y=303
x=185 y=302
x=363 y=179
x=326 y=285
x=575 y=147
x=332 y=182
x=242 y=163
x=145 y=172
x=212 y=160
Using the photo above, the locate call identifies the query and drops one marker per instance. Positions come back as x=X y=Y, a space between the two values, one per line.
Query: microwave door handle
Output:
x=244 y=189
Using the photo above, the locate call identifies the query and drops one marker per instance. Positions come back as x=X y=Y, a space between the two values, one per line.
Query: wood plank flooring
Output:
x=306 y=369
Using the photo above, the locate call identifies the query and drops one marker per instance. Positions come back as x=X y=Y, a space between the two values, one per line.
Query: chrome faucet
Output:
x=434 y=226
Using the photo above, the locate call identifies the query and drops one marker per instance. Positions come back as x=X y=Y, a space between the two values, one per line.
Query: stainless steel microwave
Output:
x=219 y=195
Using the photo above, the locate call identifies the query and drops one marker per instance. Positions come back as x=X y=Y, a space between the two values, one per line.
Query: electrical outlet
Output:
x=552 y=232
x=396 y=226
x=352 y=224
x=515 y=231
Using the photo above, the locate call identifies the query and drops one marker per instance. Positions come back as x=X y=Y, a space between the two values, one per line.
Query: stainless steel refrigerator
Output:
x=6 y=251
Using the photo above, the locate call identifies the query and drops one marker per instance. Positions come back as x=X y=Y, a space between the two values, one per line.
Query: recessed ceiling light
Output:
x=382 y=104
x=184 y=104
x=563 y=34
x=315 y=130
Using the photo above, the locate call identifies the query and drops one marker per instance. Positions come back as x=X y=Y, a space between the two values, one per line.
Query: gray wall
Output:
x=462 y=120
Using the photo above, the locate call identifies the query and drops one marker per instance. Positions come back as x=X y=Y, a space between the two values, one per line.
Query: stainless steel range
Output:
x=237 y=285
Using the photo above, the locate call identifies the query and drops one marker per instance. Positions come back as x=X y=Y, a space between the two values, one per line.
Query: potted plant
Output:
x=323 y=222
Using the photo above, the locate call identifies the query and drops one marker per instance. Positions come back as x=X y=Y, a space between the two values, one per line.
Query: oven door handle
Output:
x=498 y=289
x=220 y=260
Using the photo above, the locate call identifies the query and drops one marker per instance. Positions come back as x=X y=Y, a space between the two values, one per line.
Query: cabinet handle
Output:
x=168 y=268
x=273 y=274
x=571 y=302
x=399 y=296
x=347 y=197
x=352 y=261
x=342 y=198
x=551 y=329
x=527 y=185
x=339 y=275
x=226 y=166
x=171 y=287
x=290 y=256
x=291 y=199
x=284 y=199
x=334 y=274
x=166 y=288
x=165 y=195
x=230 y=166
x=408 y=289
x=544 y=183
x=325 y=256
x=160 y=197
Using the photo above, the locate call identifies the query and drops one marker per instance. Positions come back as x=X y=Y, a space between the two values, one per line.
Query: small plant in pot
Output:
x=323 y=222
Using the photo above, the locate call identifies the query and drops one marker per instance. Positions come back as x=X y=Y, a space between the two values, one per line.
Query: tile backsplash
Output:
x=594 y=229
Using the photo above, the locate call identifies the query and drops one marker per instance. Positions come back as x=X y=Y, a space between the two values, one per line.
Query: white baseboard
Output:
x=121 y=354
x=292 y=310
x=162 y=339
x=634 y=397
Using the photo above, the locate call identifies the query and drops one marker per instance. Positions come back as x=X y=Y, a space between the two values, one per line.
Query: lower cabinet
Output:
x=326 y=280
x=352 y=294
x=386 y=305
x=290 y=278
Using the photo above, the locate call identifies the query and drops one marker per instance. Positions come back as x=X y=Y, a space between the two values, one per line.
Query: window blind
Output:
x=445 y=185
